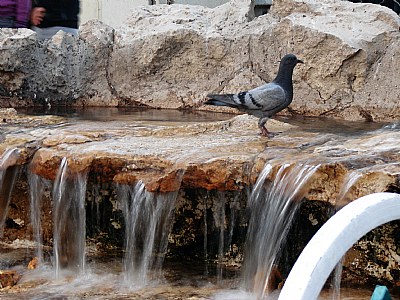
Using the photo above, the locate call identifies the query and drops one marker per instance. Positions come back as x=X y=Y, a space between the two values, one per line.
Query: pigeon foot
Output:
x=266 y=133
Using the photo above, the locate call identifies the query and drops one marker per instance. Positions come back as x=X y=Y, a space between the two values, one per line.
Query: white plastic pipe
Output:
x=332 y=241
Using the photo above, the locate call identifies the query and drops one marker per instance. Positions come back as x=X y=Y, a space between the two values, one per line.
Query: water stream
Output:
x=36 y=191
x=273 y=204
x=8 y=174
x=348 y=182
x=69 y=227
x=148 y=221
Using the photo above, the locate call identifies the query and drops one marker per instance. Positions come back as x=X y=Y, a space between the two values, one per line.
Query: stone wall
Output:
x=173 y=56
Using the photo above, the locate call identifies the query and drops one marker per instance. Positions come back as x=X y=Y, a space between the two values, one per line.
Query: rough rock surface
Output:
x=8 y=278
x=57 y=72
x=224 y=155
x=171 y=56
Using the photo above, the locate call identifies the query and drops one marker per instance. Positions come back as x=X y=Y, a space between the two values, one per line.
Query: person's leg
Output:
x=6 y=22
x=72 y=31
x=47 y=33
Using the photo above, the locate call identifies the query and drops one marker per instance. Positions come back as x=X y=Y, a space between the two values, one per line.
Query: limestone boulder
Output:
x=98 y=39
x=172 y=56
x=59 y=71
x=192 y=51
x=167 y=56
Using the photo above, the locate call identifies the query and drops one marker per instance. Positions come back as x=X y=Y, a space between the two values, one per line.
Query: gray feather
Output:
x=222 y=100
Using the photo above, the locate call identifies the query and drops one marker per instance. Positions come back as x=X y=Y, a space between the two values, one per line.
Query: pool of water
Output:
x=106 y=114
x=103 y=280
x=130 y=114
x=339 y=127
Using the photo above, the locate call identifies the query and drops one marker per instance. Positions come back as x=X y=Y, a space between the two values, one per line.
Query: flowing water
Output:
x=219 y=219
x=205 y=239
x=8 y=174
x=140 y=115
x=342 y=200
x=69 y=227
x=224 y=219
x=273 y=201
x=273 y=204
x=148 y=221
x=36 y=192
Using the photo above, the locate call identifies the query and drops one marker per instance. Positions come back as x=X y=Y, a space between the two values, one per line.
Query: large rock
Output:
x=192 y=51
x=172 y=56
x=57 y=72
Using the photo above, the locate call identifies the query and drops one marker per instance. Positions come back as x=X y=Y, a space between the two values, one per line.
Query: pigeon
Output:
x=266 y=100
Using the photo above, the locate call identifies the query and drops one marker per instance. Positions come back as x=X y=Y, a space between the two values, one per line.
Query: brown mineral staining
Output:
x=9 y=278
x=33 y=264
x=275 y=281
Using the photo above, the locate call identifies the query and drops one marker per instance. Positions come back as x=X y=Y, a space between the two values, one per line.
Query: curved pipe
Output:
x=332 y=241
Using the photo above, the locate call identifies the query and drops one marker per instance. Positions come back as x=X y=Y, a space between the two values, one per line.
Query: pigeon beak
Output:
x=299 y=61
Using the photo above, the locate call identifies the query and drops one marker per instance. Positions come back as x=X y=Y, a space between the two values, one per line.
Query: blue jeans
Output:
x=47 y=33
x=6 y=22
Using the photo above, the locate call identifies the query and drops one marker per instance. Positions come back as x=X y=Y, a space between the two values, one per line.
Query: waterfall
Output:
x=341 y=200
x=205 y=242
x=221 y=226
x=348 y=183
x=36 y=192
x=69 y=224
x=219 y=219
x=148 y=221
x=8 y=174
x=272 y=205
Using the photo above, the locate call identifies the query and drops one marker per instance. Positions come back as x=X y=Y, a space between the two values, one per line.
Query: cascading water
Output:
x=8 y=174
x=272 y=205
x=36 y=191
x=341 y=200
x=219 y=219
x=69 y=192
x=234 y=207
x=219 y=230
x=205 y=241
x=147 y=225
x=348 y=183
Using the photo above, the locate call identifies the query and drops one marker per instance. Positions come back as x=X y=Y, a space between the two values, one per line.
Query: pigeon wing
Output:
x=269 y=98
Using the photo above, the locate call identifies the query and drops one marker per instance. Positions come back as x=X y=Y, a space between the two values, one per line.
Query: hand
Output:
x=37 y=15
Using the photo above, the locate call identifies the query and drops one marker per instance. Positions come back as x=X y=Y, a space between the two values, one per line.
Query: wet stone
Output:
x=8 y=278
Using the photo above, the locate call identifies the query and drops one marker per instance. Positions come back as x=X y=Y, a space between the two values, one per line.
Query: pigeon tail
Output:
x=221 y=100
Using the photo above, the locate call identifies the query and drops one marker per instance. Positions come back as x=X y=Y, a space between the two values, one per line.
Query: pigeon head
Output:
x=286 y=66
x=290 y=60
